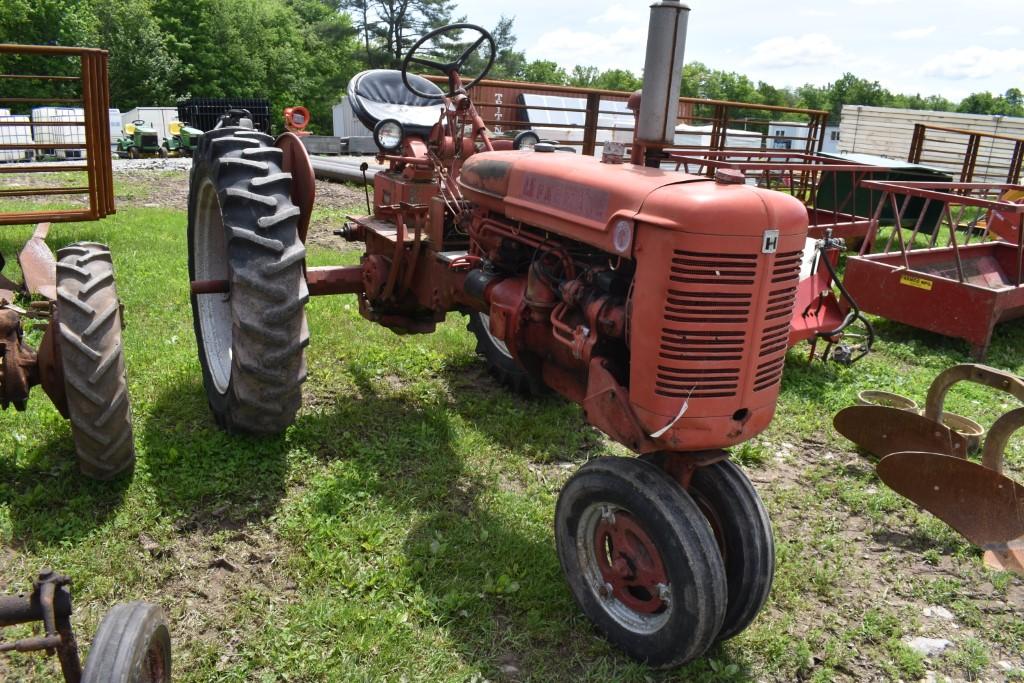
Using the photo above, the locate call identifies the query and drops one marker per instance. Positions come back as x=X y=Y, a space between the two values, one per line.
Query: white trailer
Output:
x=71 y=134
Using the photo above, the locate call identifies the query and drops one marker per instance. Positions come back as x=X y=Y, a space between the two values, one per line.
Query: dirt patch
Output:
x=858 y=563
x=210 y=577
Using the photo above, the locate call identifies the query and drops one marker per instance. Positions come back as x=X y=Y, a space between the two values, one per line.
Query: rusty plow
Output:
x=923 y=457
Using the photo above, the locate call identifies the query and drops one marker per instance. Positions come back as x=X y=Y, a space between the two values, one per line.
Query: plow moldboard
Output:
x=983 y=505
x=882 y=430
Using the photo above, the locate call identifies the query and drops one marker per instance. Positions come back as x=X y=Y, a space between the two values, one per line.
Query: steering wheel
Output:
x=451 y=67
x=138 y=122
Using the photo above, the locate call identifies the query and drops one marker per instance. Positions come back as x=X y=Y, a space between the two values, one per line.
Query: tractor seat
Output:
x=379 y=94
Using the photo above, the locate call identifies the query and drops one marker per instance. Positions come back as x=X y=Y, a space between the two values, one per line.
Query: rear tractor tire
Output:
x=132 y=645
x=641 y=561
x=243 y=228
x=500 y=363
x=92 y=359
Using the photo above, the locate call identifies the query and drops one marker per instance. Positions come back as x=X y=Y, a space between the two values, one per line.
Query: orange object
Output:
x=296 y=119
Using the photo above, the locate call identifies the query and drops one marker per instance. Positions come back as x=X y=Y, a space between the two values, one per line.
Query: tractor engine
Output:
x=659 y=301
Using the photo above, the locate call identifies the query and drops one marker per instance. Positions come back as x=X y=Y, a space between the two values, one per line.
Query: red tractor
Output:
x=658 y=301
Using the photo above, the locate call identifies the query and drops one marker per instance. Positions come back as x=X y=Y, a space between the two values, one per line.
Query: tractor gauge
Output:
x=622 y=235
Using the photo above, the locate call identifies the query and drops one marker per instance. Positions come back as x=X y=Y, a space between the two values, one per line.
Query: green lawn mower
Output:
x=183 y=140
x=140 y=139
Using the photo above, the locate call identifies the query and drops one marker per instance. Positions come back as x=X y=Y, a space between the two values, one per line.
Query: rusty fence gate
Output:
x=956 y=147
x=597 y=113
x=76 y=80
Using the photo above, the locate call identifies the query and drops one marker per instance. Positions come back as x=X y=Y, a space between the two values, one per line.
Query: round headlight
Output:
x=525 y=140
x=389 y=135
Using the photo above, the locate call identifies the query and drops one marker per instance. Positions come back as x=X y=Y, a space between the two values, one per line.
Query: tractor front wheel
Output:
x=163 y=152
x=744 y=535
x=243 y=228
x=92 y=360
x=133 y=153
x=640 y=560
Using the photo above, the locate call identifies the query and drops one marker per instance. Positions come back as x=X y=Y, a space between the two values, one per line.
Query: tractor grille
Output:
x=707 y=290
x=778 y=311
x=149 y=140
x=708 y=317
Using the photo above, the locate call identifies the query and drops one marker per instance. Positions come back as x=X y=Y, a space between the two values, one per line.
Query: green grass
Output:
x=401 y=529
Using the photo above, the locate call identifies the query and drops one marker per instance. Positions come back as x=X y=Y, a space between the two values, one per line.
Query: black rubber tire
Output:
x=265 y=267
x=683 y=539
x=92 y=358
x=744 y=534
x=502 y=366
x=133 y=153
x=163 y=152
x=132 y=645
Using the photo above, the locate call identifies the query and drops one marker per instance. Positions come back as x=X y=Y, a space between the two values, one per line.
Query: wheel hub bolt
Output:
x=605 y=591
x=665 y=593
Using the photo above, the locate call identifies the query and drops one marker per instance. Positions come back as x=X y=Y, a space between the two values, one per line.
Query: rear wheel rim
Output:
x=213 y=310
x=623 y=568
x=154 y=669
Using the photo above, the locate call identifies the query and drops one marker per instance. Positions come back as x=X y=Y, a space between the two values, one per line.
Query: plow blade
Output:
x=38 y=264
x=882 y=430
x=986 y=507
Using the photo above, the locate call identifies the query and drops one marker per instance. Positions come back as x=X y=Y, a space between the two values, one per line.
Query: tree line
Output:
x=305 y=51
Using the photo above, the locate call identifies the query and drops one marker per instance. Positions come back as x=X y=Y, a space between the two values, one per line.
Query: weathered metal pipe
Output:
x=666 y=41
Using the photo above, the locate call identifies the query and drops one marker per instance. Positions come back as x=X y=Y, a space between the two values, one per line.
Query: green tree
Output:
x=390 y=27
x=141 y=69
x=545 y=71
x=617 y=79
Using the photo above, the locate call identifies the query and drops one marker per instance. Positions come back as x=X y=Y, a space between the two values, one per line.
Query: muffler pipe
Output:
x=663 y=71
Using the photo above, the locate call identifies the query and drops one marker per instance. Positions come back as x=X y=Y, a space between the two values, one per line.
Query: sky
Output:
x=909 y=46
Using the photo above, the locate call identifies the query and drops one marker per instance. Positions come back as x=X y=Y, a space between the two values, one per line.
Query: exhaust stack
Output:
x=666 y=40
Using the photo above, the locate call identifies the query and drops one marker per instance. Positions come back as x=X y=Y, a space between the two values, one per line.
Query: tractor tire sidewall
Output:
x=684 y=540
x=92 y=359
x=125 y=636
x=507 y=370
x=266 y=274
x=745 y=530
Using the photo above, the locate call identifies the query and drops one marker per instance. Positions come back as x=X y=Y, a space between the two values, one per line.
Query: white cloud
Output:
x=623 y=14
x=975 y=62
x=810 y=49
x=623 y=48
x=876 y=2
x=912 y=33
x=815 y=13
x=1004 y=31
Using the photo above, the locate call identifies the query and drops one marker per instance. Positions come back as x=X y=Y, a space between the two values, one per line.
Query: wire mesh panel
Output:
x=63 y=93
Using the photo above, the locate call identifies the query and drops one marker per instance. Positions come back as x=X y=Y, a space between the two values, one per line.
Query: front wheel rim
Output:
x=211 y=263
x=623 y=568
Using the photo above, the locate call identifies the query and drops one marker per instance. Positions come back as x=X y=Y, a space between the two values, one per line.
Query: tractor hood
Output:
x=576 y=196
x=582 y=198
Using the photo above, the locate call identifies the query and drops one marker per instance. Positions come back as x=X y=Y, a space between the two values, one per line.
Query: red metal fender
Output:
x=296 y=161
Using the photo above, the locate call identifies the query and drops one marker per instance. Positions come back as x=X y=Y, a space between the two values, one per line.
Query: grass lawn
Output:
x=401 y=529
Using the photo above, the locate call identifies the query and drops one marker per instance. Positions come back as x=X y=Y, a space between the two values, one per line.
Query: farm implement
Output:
x=924 y=457
x=132 y=644
x=661 y=302
x=70 y=297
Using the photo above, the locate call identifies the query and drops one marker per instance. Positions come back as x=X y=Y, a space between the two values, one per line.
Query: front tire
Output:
x=132 y=645
x=243 y=228
x=92 y=360
x=744 y=535
x=641 y=560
